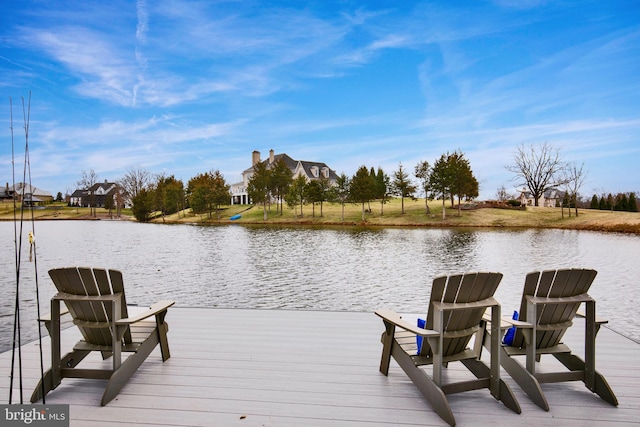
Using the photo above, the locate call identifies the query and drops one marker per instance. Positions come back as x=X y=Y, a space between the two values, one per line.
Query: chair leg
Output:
x=601 y=386
x=120 y=377
x=163 y=328
x=503 y=394
x=387 y=344
x=527 y=382
x=70 y=360
x=45 y=385
x=434 y=394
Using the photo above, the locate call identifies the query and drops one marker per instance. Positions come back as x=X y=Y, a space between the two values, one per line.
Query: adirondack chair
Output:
x=454 y=316
x=550 y=302
x=96 y=301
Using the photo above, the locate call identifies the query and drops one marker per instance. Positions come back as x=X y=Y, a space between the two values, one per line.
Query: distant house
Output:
x=76 y=198
x=550 y=199
x=96 y=196
x=26 y=194
x=310 y=170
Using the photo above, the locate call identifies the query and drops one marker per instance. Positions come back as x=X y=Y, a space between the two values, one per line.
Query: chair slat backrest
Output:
x=460 y=288
x=91 y=282
x=553 y=284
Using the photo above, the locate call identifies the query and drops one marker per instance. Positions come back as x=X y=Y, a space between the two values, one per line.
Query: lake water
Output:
x=352 y=269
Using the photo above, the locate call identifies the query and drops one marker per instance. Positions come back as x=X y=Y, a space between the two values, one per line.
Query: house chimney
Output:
x=255 y=157
x=271 y=156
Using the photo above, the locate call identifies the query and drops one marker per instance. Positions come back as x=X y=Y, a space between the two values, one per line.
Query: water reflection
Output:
x=356 y=269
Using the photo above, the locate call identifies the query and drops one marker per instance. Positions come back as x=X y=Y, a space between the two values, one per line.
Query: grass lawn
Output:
x=388 y=215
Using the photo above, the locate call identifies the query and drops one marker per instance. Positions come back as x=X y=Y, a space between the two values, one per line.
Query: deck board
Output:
x=292 y=368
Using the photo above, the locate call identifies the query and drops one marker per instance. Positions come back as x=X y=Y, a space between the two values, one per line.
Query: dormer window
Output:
x=315 y=171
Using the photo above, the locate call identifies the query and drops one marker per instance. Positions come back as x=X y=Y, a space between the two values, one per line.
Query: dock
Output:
x=240 y=367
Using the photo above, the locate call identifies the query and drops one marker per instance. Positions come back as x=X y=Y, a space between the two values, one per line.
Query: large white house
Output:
x=310 y=170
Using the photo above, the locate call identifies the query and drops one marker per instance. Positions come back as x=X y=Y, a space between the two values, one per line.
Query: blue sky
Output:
x=185 y=87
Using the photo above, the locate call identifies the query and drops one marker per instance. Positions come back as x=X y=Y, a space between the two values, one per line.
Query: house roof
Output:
x=293 y=165
x=104 y=186
x=79 y=193
x=22 y=187
x=308 y=165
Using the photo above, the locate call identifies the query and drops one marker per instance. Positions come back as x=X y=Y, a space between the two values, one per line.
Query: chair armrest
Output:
x=390 y=316
x=47 y=317
x=559 y=300
x=599 y=320
x=507 y=322
x=156 y=308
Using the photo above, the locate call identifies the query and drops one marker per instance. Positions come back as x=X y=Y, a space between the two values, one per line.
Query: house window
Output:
x=314 y=171
x=325 y=172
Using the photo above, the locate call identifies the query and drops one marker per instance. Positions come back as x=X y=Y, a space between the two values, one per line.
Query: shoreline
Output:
x=414 y=216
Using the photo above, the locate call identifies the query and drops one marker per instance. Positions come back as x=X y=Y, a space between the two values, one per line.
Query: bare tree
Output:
x=87 y=181
x=538 y=168
x=135 y=180
x=573 y=177
x=502 y=195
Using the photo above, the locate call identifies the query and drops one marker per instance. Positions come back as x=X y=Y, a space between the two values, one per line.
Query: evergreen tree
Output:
x=633 y=204
x=622 y=203
x=259 y=185
x=169 y=195
x=297 y=192
x=402 y=185
x=463 y=184
x=602 y=204
x=207 y=192
x=382 y=188
x=143 y=204
x=281 y=179
x=340 y=192
x=594 y=203
x=363 y=187
x=441 y=180
x=314 y=193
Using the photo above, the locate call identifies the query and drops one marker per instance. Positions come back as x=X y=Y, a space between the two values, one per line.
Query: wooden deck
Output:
x=303 y=368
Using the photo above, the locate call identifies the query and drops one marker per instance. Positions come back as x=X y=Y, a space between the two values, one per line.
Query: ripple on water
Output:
x=316 y=269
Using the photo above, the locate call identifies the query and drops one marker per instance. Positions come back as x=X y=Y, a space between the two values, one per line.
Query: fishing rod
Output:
x=17 y=342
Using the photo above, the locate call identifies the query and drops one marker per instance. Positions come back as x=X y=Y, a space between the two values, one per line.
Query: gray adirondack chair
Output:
x=96 y=301
x=454 y=316
x=550 y=303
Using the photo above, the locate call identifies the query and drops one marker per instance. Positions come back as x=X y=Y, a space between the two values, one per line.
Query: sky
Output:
x=186 y=87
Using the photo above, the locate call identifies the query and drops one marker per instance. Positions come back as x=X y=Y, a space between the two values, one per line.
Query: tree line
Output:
x=449 y=177
x=537 y=168
x=619 y=202
x=152 y=195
